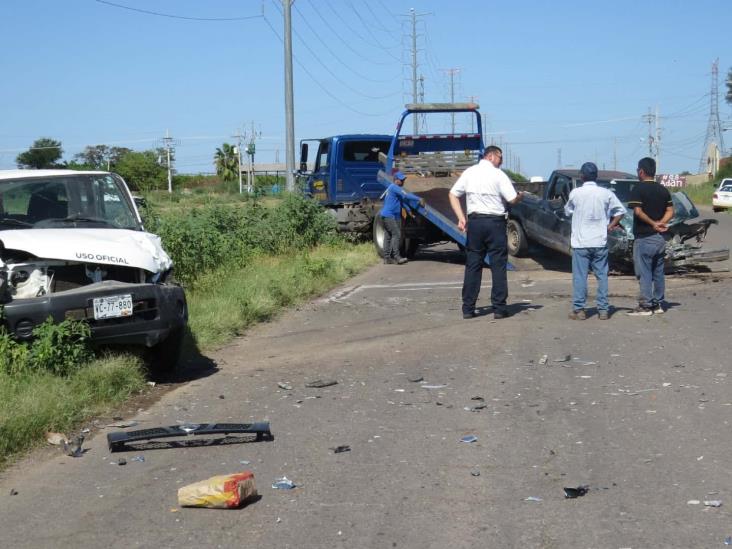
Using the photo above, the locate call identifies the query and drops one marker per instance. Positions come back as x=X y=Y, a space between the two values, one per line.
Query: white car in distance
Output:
x=722 y=197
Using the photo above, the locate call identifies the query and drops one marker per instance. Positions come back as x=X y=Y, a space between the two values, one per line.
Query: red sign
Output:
x=668 y=180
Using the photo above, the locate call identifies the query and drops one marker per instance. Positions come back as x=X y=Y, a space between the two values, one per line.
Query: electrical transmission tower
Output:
x=413 y=15
x=714 y=127
x=452 y=72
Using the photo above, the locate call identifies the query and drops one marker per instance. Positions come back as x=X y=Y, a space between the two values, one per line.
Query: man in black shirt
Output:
x=652 y=208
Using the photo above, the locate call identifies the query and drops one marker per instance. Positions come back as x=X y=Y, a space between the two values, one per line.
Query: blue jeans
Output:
x=582 y=260
x=648 y=260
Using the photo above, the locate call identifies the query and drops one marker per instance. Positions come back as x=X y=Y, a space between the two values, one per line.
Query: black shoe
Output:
x=500 y=315
x=401 y=260
x=467 y=316
x=389 y=261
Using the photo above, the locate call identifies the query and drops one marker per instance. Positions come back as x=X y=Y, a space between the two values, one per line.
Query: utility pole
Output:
x=657 y=156
x=238 y=152
x=649 y=118
x=168 y=143
x=472 y=99
x=289 y=104
x=422 y=119
x=452 y=72
x=251 y=149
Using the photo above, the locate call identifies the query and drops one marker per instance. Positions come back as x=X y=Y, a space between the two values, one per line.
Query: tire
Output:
x=379 y=235
x=163 y=357
x=518 y=245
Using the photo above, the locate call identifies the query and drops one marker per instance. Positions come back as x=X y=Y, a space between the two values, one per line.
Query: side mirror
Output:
x=303 y=157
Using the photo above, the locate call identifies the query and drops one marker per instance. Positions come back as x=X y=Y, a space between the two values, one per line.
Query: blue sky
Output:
x=568 y=75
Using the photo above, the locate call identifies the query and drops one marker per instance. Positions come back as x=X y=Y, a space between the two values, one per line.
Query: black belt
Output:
x=480 y=215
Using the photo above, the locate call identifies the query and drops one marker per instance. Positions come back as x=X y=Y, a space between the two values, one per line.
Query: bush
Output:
x=59 y=349
x=212 y=236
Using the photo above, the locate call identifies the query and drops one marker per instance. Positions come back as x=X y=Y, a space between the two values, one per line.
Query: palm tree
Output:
x=226 y=160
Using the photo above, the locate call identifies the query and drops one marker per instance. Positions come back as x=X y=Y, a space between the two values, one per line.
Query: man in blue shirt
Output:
x=595 y=211
x=391 y=214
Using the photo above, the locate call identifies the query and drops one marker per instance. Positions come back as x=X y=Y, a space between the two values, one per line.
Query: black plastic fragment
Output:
x=578 y=492
x=119 y=439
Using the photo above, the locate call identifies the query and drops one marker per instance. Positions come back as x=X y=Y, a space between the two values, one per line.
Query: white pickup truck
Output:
x=72 y=246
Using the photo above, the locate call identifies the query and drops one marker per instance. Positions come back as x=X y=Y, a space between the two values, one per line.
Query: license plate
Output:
x=112 y=307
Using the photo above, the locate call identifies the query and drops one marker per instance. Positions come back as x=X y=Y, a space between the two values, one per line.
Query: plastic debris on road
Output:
x=121 y=461
x=713 y=503
x=320 y=383
x=475 y=473
x=534 y=498
x=439 y=386
x=219 y=492
x=285 y=386
x=578 y=492
x=74 y=450
x=543 y=359
x=283 y=483
x=341 y=449
x=728 y=540
x=693 y=502
x=565 y=358
x=140 y=459
x=415 y=378
x=469 y=438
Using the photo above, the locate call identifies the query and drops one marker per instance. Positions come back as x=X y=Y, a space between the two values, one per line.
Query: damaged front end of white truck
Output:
x=72 y=246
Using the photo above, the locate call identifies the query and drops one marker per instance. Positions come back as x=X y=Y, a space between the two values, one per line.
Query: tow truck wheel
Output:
x=517 y=243
x=379 y=234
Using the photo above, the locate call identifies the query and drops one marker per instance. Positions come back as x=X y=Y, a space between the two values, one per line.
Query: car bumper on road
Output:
x=158 y=309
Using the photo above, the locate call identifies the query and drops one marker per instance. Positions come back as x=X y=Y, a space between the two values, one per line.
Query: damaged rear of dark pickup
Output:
x=540 y=218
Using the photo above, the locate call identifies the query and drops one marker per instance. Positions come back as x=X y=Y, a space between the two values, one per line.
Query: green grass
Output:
x=701 y=195
x=225 y=302
x=35 y=402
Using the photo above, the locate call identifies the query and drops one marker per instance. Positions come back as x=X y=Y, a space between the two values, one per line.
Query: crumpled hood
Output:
x=104 y=246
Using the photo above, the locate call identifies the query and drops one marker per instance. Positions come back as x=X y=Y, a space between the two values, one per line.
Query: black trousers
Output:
x=486 y=235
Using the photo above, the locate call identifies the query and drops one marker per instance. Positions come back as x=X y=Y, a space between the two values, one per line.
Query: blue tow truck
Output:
x=351 y=172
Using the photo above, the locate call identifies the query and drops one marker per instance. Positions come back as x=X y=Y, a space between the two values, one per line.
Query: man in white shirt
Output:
x=487 y=191
x=595 y=212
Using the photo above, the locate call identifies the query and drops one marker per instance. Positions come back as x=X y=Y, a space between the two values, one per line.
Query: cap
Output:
x=589 y=171
x=400 y=176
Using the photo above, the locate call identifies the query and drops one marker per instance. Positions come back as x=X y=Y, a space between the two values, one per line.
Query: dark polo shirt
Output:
x=653 y=198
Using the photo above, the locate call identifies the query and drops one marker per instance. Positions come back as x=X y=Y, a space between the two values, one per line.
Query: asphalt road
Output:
x=638 y=409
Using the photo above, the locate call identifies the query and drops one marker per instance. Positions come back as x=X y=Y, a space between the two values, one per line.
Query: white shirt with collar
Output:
x=486 y=187
x=591 y=208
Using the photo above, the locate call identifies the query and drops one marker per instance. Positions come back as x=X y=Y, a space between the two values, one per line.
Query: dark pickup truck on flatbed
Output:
x=540 y=218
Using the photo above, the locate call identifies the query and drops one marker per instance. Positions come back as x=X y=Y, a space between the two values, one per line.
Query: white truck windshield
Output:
x=74 y=201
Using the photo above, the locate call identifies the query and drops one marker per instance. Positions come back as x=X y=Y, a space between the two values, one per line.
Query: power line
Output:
x=317 y=34
x=317 y=82
x=172 y=16
x=368 y=28
x=335 y=76
x=345 y=42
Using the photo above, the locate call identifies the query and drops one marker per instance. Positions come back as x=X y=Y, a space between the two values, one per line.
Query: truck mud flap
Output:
x=118 y=440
